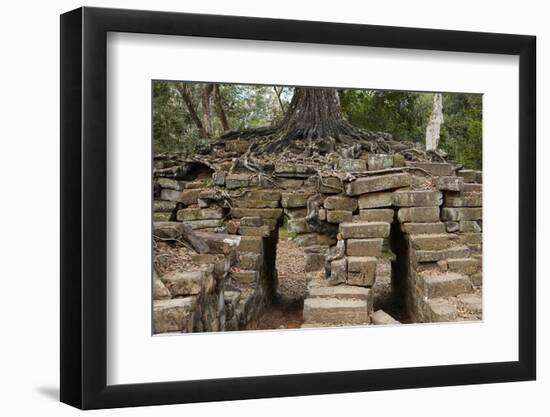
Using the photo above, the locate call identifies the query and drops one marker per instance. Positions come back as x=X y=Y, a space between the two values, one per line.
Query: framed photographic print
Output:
x=258 y=208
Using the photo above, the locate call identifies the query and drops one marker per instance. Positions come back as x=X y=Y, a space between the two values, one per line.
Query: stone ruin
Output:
x=377 y=218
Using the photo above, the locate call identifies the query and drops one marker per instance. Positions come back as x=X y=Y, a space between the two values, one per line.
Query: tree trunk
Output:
x=219 y=108
x=206 y=108
x=434 y=124
x=187 y=99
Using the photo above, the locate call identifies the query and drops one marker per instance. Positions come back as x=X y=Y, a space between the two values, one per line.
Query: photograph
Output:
x=292 y=207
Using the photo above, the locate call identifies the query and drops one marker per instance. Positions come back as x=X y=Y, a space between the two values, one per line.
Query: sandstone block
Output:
x=159 y=205
x=439 y=169
x=160 y=292
x=338 y=271
x=375 y=200
x=340 y=203
x=376 y=162
x=361 y=230
x=255 y=203
x=290 y=183
x=440 y=310
x=335 y=311
x=245 y=277
x=253 y=244
x=469 y=175
x=410 y=198
x=452 y=227
x=299 y=226
x=451 y=183
x=186 y=197
x=341 y=292
x=204 y=224
x=380 y=317
x=312 y=239
x=398 y=160
x=418 y=214
x=473 y=188
x=233 y=181
x=466 y=266
x=315 y=257
x=423 y=228
x=471 y=303
x=463 y=200
x=376 y=215
x=171 y=184
x=448 y=284
x=477 y=279
x=251 y=221
x=364 y=247
x=377 y=183
x=361 y=270
x=430 y=242
x=254 y=230
x=174 y=315
x=188 y=283
x=352 y=165
x=167 y=230
x=249 y=261
x=438 y=255
x=470 y=226
x=461 y=213
x=295 y=213
x=268 y=213
x=218 y=177
x=330 y=185
x=294 y=200
x=162 y=216
x=471 y=238
x=339 y=216
x=262 y=194
x=293 y=170
x=200 y=214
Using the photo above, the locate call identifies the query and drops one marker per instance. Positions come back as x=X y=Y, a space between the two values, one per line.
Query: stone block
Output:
x=423 y=198
x=340 y=203
x=167 y=230
x=237 y=145
x=186 y=197
x=171 y=184
x=268 y=213
x=381 y=318
x=469 y=175
x=361 y=270
x=341 y=292
x=218 y=177
x=244 y=277
x=251 y=221
x=299 y=226
x=294 y=200
x=261 y=194
x=253 y=244
x=466 y=266
x=398 y=160
x=377 y=183
x=295 y=213
x=448 y=284
x=338 y=271
x=315 y=257
x=312 y=239
x=452 y=227
x=159 y=205
x=339 y=216
x=439 y=169
x=376 y=215
x=334 y=311
x=289 y=183
x=380 y=161
x=330 y=185
x=263 y=231
x=323 y=214
x=471 y=303
x=200 y=214
x=477 y=279
x=352 y=165
x=375 y=200
x=233 y=181
x=418 y=214
x=463 y=200
x=471 y=238
x=232 y=226
x=162 y=216
x=174 y=315
x=364 y=247
x=461 y=213
x=249 y=261
x=255 y=203
x=473 y=188
x=360 y=230
x=293 y=170
x=430 y=242
x=423 y=228
x=438 y=255
x=188 y=283
x=160 y=292
x=204 y=224
x=451 y=183
x=469 y=226
x=440 y=310
x=479 y=177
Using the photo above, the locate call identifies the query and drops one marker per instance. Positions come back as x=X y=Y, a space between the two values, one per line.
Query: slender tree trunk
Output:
x=188 y=100
x=434 y=124
x=219 y=108
x=206 y=108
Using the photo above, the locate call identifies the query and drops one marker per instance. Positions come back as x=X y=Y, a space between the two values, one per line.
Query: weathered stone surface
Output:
x=340 y=203
x=163 y=216
x=251 y=244
x=289 y=183
x=186 y=197
x=452 y=227
x=471 y=238
x=293 y=170
x=249 y=261
x=335 y=311
x=469 y=175
x=160 y=292
x=376 y=215
x=339 y=216
x=418 y=214
x=471 y=303
x=398 y=160
x=167 y=230
x=322 y=214
x=312 y=239
x=233 y=181
x=430 y=242
x=437 y=255
x=341 y=292
x=188 y=283
x=364 y=247
x=438 y=169
x=251 y=221
x=440 y=310
x=352 y=165
x=255 y=203
x=466 y=266
x=473 y=188
x=295 y=213
x=448 y=284
x=237 y=145
x=254 y=230
x=232 y=226
x=361 y=230
x=338 y=271
x=477 y=279
x=330 y=185
x=299 y=226
x=200 y=214
x=361 y=270
x=463 y=200
x=451 y=183
x=171 y=184
x=294 y=200
x=479 y=177
x=245 y=277
x=218 y=177
x=461 y=213
x=315 y=257
x=377 y=183
x=204 y=224
x=410 y=198
x=381 y=318
x=470 y=226
x=159 y=205
x=261 y=194
x=376 y=162
x=268 y=213
x=174 y=315
x=423 y=228
x=375 y=200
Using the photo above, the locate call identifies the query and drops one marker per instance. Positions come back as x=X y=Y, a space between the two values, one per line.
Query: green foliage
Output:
x=461 y=132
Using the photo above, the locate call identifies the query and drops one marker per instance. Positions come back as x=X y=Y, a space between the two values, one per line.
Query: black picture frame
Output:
x=84 y=207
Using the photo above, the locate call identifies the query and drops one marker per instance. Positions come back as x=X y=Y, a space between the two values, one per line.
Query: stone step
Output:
x=470 y=303
x=440 y=310
x=381 y=318
x=448 y=284
x=341 y=292
x=459 y=251
x=431 y=241
x=423 y=228
x=335 y=311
